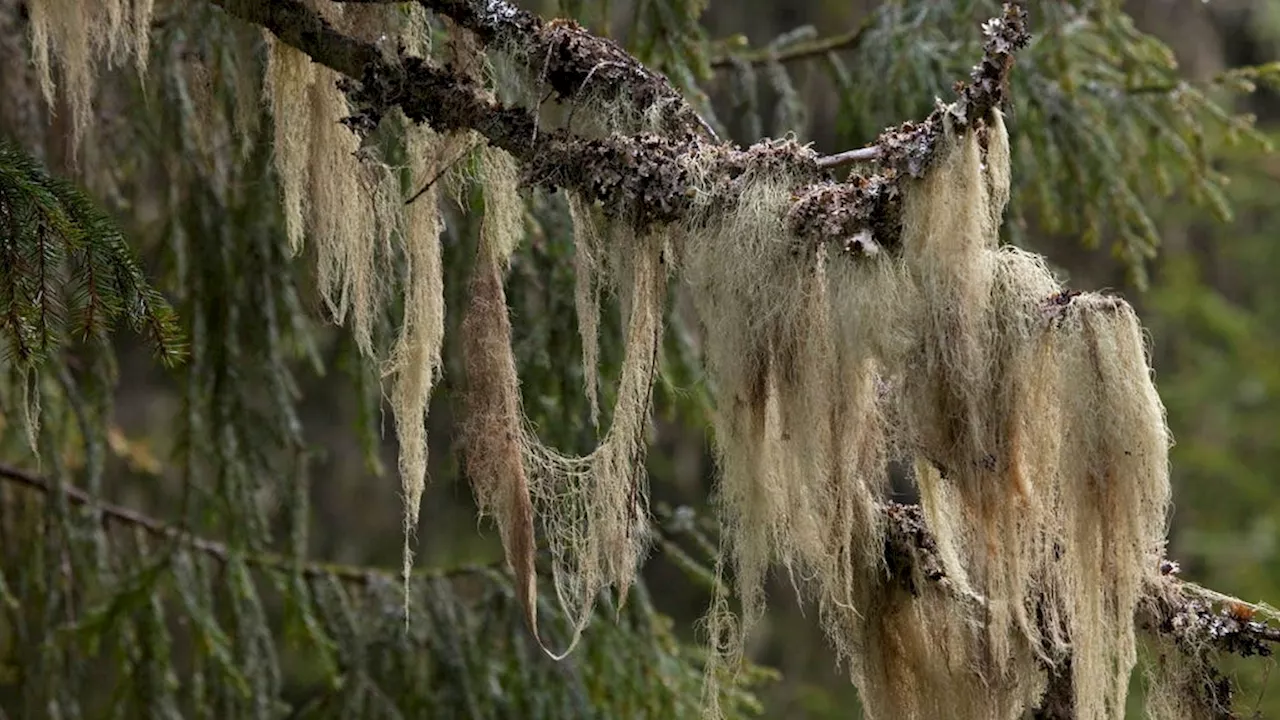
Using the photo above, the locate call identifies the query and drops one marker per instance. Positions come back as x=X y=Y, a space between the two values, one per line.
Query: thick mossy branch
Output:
x=298 y=25
x=571 y=61
x=647 y=178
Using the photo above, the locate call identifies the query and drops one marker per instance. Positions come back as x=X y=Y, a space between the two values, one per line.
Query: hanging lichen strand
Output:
x=594 y=509
x=349 y=205
x=1114 y=483
x=414 y=364
x=797 y=423
x=82 y=36
x=491 y=431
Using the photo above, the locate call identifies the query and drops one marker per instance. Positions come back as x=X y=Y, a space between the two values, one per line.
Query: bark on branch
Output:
x=644 y=176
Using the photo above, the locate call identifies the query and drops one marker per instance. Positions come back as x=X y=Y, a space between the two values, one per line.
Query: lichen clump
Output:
x=347 y=203
x=1028 y=413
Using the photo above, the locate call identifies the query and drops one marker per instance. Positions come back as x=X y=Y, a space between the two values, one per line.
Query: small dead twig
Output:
x=448 y=166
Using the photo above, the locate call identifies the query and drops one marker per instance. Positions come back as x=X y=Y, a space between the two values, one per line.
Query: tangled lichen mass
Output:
x=1028 y=414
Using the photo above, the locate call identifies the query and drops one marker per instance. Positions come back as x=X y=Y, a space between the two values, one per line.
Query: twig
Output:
x=827 y=211
x=849 y=157
x=801 y=51
x=110 y=512
x=441 y=173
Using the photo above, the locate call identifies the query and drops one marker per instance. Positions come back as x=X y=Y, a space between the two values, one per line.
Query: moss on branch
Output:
x=643 y=176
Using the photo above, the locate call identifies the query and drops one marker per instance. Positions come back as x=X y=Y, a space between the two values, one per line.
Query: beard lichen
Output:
x=593 y=509
x=82 y=36
x=348 y=204
x=799 y=431
x=1114 y=479
x=587 y=249
x=1037 y=437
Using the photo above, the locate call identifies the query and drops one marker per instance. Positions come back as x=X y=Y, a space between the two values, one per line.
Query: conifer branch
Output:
x=643 y=176
x=121 y=515
x=1181 y=610
x=567 y=57
x=799 y=52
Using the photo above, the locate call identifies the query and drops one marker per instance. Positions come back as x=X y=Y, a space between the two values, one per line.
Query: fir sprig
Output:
x=67 y=272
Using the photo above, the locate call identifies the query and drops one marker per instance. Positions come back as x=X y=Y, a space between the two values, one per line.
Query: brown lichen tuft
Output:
x=491 y=431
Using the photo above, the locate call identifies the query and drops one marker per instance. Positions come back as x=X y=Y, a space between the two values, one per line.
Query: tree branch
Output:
x=799 y=52
x=642 y=177
x=568 y=58
x=828 y=210
x=298 y=25
x=120 y=515
x=1180 y=610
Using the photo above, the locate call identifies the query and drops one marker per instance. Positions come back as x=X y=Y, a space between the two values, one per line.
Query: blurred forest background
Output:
x=833 y=73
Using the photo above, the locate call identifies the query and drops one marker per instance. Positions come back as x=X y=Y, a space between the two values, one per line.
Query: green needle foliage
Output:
x=66 y=273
